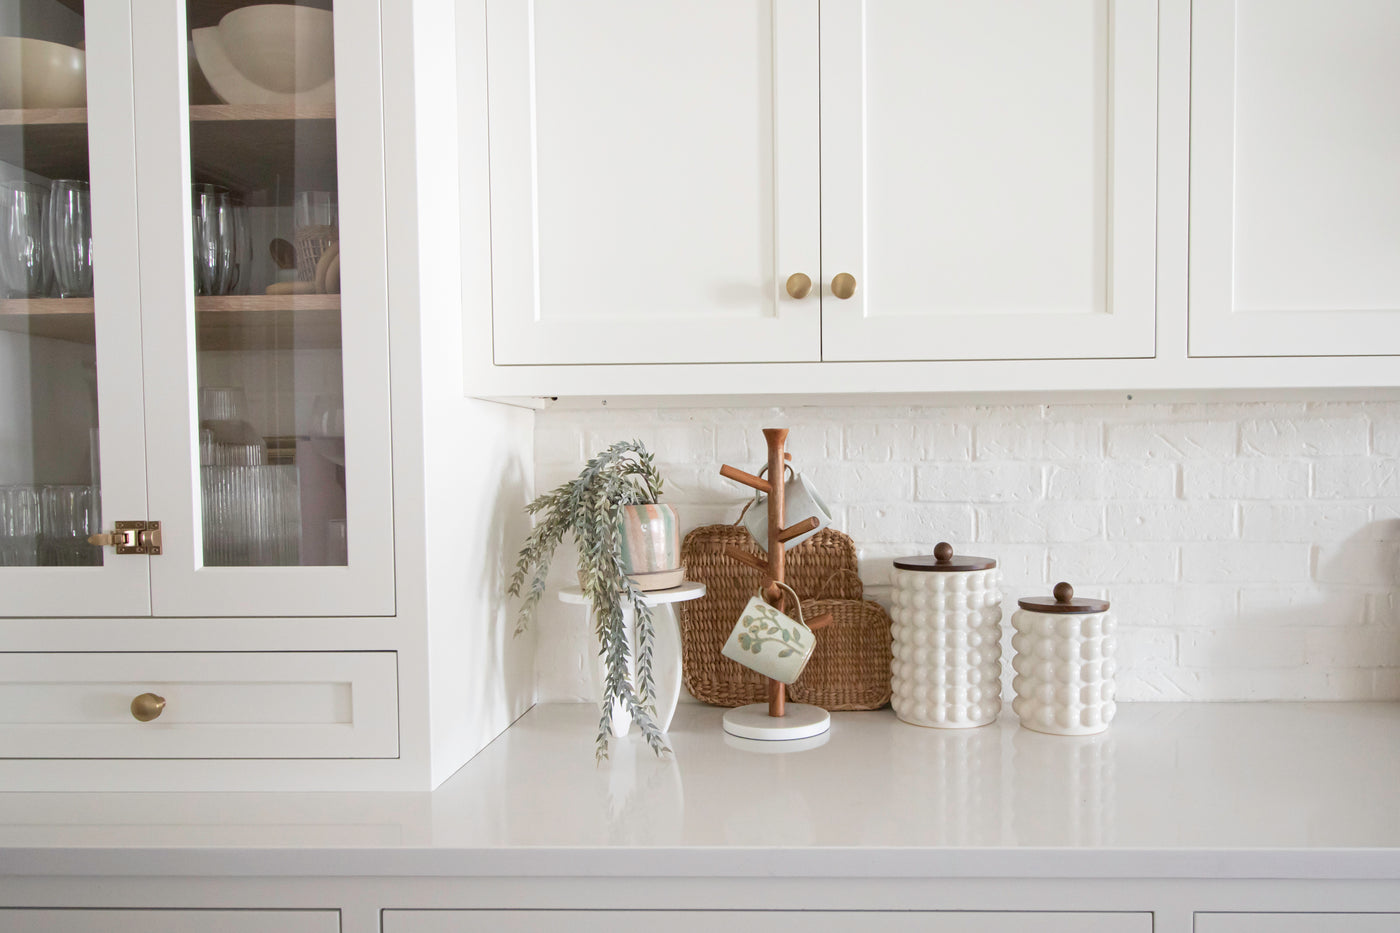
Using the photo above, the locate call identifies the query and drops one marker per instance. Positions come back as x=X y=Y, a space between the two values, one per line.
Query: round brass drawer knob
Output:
x=843 y=285
x=799 y=285
x=147 y=707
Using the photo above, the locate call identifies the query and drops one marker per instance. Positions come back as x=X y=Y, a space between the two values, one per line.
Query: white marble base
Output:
x=753 y=722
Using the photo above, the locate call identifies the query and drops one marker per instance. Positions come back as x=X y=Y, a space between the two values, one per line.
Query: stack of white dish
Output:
x=35 y=73
x=272 y=54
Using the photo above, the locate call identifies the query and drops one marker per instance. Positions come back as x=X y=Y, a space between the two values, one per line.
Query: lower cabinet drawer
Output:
x=264 y=704
x=1296 y=923
x=762 y=921
x=169 y=921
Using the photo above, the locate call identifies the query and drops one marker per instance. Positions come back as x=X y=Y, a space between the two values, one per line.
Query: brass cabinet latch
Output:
x=130 y=538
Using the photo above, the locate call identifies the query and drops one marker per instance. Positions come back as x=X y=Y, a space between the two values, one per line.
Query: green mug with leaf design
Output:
x=769 y=642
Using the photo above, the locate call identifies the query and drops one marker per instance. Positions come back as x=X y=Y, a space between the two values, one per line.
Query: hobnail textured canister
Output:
x=946 y=665
x=1064 y=663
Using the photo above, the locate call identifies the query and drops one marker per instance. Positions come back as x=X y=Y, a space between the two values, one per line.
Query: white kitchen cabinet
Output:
x=227 y=376
x=1296 y=923
x=110 y=407
x=1295 y=197
x=987 y=176
x=40 y=920
x=989 y=179
x=767 y=921
x=654 y=180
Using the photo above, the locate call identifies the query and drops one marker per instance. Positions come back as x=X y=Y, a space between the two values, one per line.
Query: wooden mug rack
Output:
x=773 y=570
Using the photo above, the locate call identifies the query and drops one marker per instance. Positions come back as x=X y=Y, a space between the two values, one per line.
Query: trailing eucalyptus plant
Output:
x=590 y=507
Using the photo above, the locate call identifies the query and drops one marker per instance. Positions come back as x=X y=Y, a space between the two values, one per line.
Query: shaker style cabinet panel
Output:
x=38 y=920
x=72 y=439
x=330 y=704
x=1296 y=923
x=765 y=921
x=654 y=180
x=988 y=179
x=1295 y=192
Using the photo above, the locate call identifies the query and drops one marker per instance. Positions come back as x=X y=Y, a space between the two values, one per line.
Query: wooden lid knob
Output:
x=1063 y=592
x=943 y=552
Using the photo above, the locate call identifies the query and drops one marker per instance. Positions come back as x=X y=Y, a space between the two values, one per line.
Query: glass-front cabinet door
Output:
x=260 y=175
x=72 y=449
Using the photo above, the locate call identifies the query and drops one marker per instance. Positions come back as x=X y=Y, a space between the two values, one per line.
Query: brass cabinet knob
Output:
x=843 y=285
x=799 y=285
x=147 y=707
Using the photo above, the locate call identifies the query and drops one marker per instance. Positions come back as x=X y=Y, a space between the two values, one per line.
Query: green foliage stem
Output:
x=590 y=509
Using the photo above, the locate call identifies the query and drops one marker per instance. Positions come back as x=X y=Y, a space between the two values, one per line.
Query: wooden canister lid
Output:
x=944 y=561
x=1064 y=600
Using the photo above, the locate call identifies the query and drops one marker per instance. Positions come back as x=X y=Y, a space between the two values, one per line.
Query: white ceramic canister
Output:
x=946 y=665
x=1064 y=663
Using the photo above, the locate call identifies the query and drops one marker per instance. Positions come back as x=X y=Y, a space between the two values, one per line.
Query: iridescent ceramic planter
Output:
x=651 y=546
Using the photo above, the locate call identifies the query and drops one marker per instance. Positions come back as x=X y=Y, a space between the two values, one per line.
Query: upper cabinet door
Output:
x=1295 y=178
x=261 y=179
x=988 y=178
x=654 y=180
x=72 y=448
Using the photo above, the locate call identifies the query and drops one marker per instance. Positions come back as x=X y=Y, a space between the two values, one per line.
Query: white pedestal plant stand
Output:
x=665 y=656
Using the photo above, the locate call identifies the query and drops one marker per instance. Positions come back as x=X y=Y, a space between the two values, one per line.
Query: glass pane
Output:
x=266 y=244
x=49 y=496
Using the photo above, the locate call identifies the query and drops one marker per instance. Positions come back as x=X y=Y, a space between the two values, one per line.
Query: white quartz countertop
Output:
x=1207 y=790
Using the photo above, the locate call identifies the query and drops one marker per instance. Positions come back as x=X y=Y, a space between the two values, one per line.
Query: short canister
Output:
x=946 y=666
x=1064 y=663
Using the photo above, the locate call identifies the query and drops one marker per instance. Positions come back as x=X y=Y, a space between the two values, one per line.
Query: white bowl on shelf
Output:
x=35 y=73
x=270 y=54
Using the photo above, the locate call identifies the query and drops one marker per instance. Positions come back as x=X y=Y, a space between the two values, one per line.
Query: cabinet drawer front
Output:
x=765 y=921
x=34 y=920
x=292 y=704
x=1297 y=923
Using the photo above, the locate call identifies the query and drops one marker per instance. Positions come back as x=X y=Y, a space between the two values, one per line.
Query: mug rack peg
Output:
x=821 y=621
x=801 y=528
x=747 y=559
x=748 y=479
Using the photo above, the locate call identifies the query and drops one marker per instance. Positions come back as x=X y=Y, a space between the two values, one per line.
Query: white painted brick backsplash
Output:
x=1244 y=561
x=1357 y=478
x=1302 y=521
x=907 y=441
x=1251 y=549
x=1245 y=479
x=981 y=482
x=1316 y=437
x=1112 y=479
x=1030 y=522
x=1185 y=441
x=1170 y=521
x=1038 y=441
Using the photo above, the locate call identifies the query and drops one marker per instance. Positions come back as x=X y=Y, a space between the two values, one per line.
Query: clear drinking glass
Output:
x=70 y=237
x=67 y=515
x=328 y=428
x=19 y=526
x=315 y=209
x=24 y=258
x=215 y=240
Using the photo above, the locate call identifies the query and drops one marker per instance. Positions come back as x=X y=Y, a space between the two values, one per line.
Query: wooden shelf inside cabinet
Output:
x=209 y=12
x=51 y=142
x=254 y=149
x=268 y=322
x=68 y=319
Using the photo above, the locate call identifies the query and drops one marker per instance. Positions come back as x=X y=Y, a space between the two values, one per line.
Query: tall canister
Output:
x=1064 y=663
x=946 y=665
